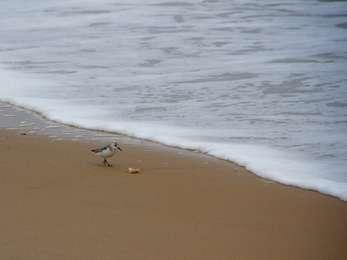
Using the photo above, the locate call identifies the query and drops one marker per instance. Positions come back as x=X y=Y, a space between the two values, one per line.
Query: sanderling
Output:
x=107 y=151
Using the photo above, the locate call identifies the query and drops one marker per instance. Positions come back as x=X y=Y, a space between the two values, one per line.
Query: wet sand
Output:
x=59 y=202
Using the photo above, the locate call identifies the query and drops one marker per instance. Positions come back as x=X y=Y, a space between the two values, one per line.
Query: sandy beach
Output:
x=59 y=202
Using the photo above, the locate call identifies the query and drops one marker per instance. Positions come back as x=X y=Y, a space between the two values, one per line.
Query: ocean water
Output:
x=261 y=83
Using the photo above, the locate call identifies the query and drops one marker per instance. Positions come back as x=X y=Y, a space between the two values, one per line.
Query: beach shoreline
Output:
x=60 y=202
x=24 y=120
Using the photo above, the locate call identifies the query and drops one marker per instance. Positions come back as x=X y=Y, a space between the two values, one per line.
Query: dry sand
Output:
x=58 y=202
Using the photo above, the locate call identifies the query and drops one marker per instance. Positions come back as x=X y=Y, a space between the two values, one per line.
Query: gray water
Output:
x=262 y=83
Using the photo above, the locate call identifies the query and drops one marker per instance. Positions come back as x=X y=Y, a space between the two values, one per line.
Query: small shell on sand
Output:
x=133 y=170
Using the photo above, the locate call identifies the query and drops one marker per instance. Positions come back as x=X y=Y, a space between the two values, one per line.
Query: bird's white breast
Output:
x=106 y=153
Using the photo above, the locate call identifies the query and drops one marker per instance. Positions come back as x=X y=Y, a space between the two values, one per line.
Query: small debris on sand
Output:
x=133 y=171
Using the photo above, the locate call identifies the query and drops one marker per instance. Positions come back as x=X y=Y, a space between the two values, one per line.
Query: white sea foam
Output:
x=261 y=84
x=275 y=164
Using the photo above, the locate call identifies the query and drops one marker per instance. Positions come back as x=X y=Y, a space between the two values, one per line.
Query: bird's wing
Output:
x=98 y=150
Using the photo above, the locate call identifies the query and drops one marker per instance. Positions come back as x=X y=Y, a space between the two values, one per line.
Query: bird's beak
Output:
x=120 y=149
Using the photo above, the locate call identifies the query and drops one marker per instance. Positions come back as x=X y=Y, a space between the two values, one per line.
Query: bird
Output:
x=107 y=152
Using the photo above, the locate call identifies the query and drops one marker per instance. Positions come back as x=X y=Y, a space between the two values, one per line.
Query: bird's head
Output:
x=115 y=145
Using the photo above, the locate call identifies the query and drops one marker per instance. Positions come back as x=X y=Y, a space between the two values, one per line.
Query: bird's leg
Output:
x=106 y=163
